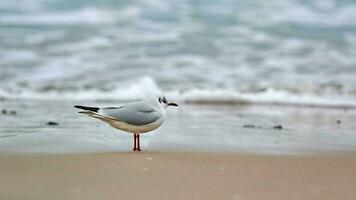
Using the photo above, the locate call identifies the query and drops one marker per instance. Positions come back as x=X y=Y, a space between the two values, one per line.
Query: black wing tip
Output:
x=94 y=109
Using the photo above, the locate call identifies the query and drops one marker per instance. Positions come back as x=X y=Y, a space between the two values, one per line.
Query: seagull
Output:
x=136 y=117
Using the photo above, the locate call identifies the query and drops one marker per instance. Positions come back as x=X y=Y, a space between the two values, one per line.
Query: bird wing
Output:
x=137 y=113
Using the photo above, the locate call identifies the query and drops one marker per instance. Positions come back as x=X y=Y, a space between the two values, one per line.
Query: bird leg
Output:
x=138 y=142
x=135 y=144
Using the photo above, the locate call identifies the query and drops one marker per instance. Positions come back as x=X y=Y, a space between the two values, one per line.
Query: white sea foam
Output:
x=142 y=88
x=91 y=43
x=146 y=87
x=82 y=16
x=40 y=38
x=18 y=55
x=321 y=13
x=271 y=96
x=22 y=5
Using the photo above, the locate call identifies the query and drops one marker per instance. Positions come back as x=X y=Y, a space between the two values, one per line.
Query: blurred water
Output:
x=209 y=49
x=187 y=128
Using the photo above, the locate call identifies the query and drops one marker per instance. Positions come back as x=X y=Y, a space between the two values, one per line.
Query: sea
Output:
x=276 y=76
x=218 y=51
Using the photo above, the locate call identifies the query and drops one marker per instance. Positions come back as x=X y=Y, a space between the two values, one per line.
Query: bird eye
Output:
x=159 y=99
x=164 y=100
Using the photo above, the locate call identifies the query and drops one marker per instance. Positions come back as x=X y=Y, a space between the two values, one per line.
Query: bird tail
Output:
x=86 y=108
x=93 y=112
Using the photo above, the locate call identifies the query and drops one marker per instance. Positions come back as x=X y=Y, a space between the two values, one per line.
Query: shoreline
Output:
x=213 y=103
x=191 y=128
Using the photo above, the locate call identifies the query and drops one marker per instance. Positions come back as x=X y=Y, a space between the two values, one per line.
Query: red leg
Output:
x=138 y=142
x=135 y=144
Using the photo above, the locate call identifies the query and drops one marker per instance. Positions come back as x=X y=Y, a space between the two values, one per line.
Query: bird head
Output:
x=164 y=102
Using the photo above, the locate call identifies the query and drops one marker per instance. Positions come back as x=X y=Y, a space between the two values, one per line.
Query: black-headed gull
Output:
x=136 y=117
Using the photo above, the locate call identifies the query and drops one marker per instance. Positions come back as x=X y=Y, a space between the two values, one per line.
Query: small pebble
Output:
x=149 y=158
x=8 y=112
x=278 y=127
x=338 y=121
x=249 y=126
x=12 y=112
x=50 y=123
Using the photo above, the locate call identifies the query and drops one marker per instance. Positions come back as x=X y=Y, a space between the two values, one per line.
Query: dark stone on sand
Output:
x=50 y=123
x=278 y=127
x=338 y=121
x=8 y=112
x=249 y=126
x=12 y=112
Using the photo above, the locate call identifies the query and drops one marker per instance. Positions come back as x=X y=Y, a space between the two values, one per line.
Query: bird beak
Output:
x=172 y=104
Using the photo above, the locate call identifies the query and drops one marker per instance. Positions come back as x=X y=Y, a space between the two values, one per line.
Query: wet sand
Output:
x=157 y=175
x=192 y=128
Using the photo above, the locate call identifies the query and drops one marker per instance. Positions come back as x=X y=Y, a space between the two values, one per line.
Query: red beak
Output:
x=172 y=104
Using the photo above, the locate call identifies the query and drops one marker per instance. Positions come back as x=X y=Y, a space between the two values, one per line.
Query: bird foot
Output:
x=136 y=149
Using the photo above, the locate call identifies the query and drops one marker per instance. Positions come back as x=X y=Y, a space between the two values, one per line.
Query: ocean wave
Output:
x=90 y=43
x=324 y=13
x=146 y=87
x=270 y=96
x=83 y=16
x=18 y=56
x=142 y=88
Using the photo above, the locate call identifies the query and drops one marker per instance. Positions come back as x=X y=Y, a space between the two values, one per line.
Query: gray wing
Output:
x=137 y=113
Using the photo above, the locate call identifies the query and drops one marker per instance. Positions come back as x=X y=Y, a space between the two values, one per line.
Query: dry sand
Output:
x=156 y=175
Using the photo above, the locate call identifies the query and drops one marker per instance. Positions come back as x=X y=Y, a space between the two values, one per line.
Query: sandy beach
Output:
x=158 y=175
x=266 y=93
x=201 y=152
